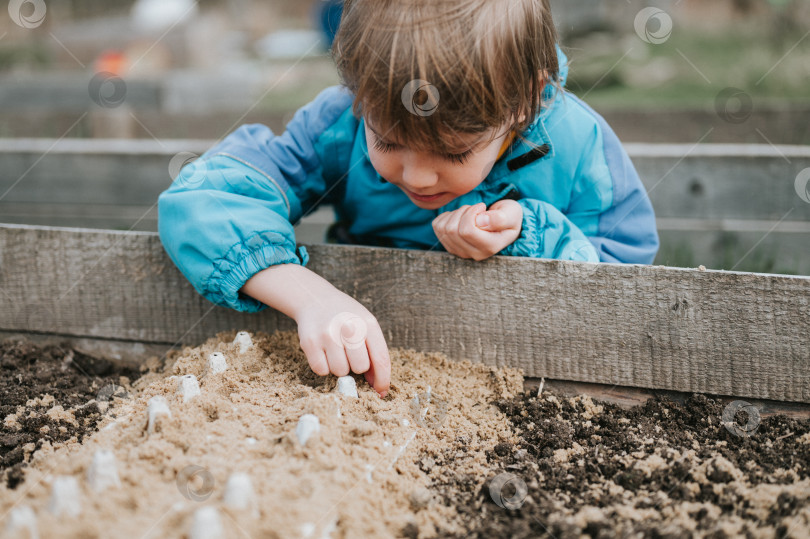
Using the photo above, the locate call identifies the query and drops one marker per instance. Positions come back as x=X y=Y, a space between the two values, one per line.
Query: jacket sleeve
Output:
x=229 y=214
x=609 y=217
x=624 y=230
x=627 y=231
x=547 y=233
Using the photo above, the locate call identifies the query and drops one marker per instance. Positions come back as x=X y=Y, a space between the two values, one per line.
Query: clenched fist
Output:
x=477 y=233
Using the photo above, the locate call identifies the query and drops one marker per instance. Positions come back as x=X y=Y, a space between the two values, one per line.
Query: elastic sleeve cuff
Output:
x=530 y=241
x=242 y=261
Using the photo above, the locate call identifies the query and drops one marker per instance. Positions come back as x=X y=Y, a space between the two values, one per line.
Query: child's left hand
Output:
x=466 y=233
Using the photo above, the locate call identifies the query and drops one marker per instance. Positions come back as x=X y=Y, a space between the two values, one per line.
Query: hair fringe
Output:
x=489 y=61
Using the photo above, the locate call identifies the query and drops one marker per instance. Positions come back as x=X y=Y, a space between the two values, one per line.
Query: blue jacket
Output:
x=230 y=213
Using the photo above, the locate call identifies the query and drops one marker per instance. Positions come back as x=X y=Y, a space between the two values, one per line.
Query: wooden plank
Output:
x=166 y=126
x=709 y=181
x=780 y=123
x=67 y=91
x=641 y=326
x=74 y=173
x=723 y=181
x=124 y=352
x=137 y=354
x=761 y=251
x=627 y=397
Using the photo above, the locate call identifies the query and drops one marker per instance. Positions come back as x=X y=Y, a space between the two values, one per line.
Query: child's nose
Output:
x=417 y=176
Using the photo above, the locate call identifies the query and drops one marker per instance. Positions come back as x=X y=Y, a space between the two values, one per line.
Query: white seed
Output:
x=337 y=405
x=115 y=424
x=65 y=497
x=251 y=440
x=188 y=387
x=244 y=341
x=206 y=524
x=103 y=472
x=420 y=498
x=22 y=519
x=157 y=408
x=308 y=530
x=347 y=386
x=307 y=426
x=217 y=363
x=405 y=422
x=239 y=493
x=369 y=471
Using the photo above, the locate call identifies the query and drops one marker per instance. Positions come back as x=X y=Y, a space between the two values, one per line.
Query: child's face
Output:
x=438 y=178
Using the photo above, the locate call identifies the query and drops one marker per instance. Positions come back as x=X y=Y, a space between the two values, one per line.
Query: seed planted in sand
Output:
x=157 y=409
x=307 y=426
x=188 y=387
x=347 y=386
x=206 y=524
x=243 y=341
x=65 y=497
x=217 y=363
x=103 y=472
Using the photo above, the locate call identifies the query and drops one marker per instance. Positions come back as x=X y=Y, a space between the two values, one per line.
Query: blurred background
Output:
x=101 y=99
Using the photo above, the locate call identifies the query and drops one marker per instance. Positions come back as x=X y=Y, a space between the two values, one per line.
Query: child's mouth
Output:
x=421 y=198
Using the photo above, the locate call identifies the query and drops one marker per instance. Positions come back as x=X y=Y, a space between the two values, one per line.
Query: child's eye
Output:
x=459 y=158
x=383 y=147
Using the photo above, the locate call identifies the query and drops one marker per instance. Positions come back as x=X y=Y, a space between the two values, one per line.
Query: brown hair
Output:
x=425 y=69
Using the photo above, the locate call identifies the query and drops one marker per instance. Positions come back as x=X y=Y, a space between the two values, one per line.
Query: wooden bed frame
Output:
x=618 y=332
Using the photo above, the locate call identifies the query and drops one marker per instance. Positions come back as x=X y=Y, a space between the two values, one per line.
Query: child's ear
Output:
x=542 y=78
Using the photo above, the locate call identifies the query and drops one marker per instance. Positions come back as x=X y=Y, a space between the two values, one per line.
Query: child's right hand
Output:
x=338 y=335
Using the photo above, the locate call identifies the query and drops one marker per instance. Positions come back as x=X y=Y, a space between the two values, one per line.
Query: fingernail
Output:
x=482 y=220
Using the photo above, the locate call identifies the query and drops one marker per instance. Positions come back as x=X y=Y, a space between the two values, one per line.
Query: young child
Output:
x=451 y=131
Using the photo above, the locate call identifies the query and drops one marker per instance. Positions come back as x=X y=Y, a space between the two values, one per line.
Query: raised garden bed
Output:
x=456 y=450
x=430 y=459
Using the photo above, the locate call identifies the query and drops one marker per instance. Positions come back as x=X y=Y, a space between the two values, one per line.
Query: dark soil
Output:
x=607 y=487
x=35 y=379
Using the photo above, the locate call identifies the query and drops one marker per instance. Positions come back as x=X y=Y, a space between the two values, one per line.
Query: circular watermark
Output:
x=733 y=105
x=107 y=395
x=653 y=25
x=428 y=410
x=107 y=90
x=195 y=483
x=188 y=170
x=27 y=13
x=420 y=97
x=508 y=491
x=729 y=418
x=348 y=330
x=802 y=185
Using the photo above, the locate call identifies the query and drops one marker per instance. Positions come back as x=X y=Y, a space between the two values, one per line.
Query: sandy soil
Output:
x=455 y=450
x=358 y=477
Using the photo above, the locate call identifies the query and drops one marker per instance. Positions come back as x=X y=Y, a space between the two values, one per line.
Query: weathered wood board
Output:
x=627 y=397
x=714 y=202
x=724 y=333
x=714 y=182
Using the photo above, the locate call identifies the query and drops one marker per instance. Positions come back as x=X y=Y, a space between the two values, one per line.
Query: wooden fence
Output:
x=724 y=333
x=722 y=206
